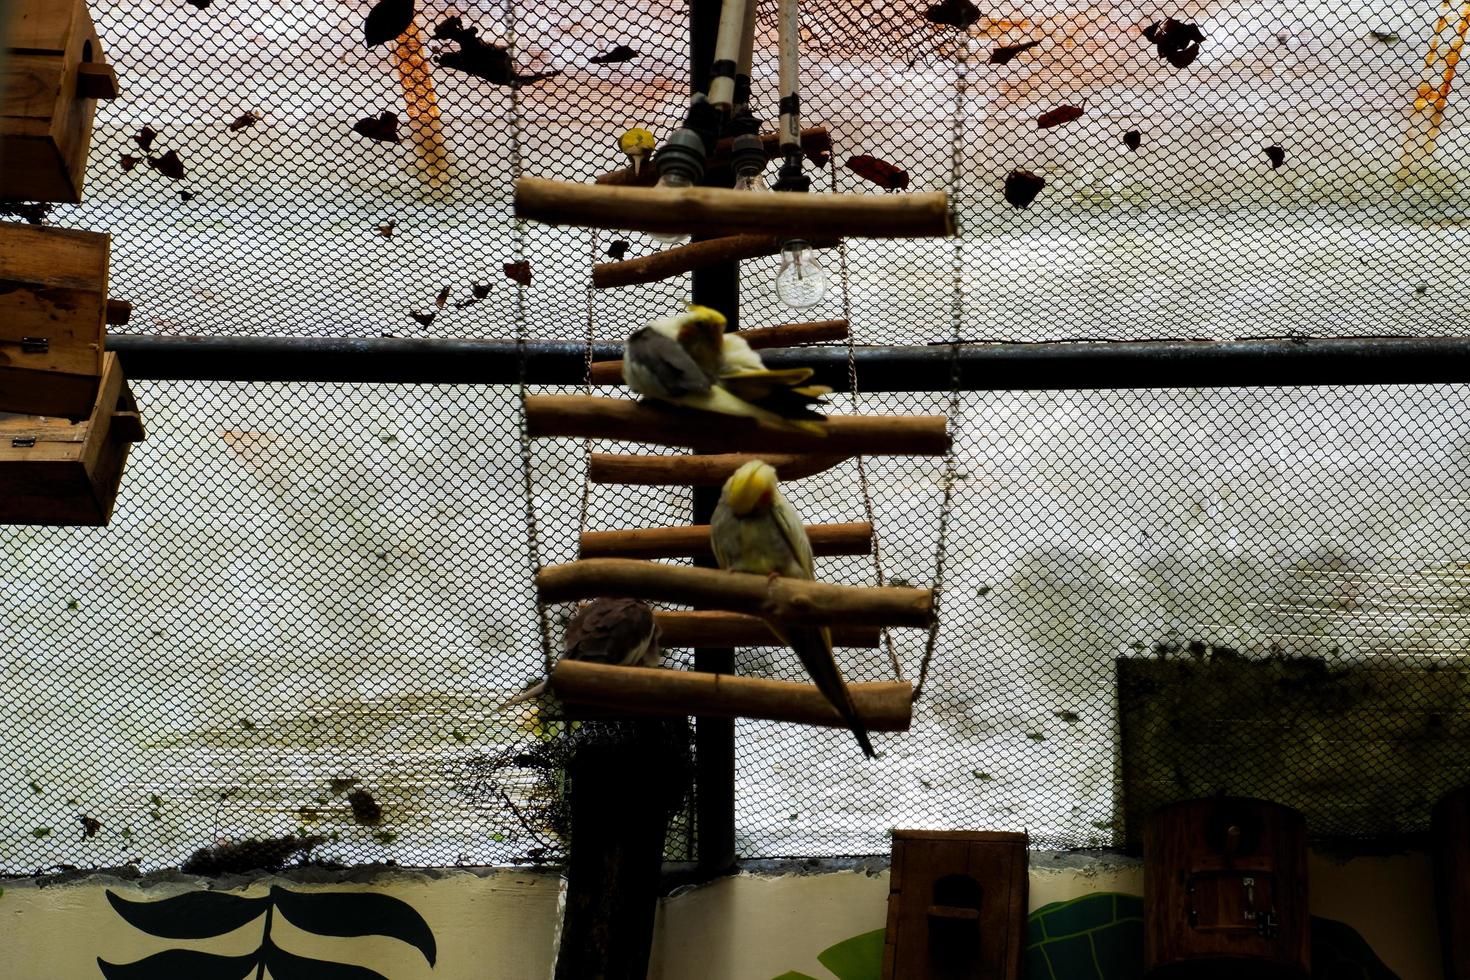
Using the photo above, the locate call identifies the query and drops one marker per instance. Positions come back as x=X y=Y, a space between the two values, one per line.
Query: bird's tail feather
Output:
x=534 y=691
x=719 y=400
x=813 y=644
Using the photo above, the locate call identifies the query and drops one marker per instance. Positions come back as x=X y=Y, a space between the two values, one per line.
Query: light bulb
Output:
x=802 y=282
x=676 y=178
x=754 y=181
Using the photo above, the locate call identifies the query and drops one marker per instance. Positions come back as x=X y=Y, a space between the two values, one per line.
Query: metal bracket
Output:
x=23 y=442
x=34 y=345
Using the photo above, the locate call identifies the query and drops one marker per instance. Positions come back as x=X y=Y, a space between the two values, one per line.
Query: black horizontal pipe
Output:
x=976 y=366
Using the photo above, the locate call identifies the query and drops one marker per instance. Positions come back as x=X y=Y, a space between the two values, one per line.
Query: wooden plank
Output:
x=42 y=26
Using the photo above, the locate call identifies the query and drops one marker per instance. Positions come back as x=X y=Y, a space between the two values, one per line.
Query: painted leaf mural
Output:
x=1100 y=937
x=207 y=914
x=192 y=915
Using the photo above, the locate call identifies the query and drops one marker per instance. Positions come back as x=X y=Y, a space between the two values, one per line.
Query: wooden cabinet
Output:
x=50 y=79
x=956 y=906
x=57 y=472
x=1225 y=891
x=53 y=311
x=1451 y=840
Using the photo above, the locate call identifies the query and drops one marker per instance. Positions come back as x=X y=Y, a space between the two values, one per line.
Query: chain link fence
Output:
x=312 y=597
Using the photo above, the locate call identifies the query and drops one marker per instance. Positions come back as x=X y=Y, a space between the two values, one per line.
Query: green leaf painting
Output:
x=1100 y=937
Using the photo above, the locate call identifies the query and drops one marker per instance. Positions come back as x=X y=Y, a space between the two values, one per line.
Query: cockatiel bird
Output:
x=690 y=360
x=606 y=631
x=755 y=529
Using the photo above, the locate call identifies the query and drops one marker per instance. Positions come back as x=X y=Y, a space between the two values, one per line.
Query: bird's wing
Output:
x=720 y=529
x=793 y=534
x=668 y=366
x=610 y=631
x=701 y=338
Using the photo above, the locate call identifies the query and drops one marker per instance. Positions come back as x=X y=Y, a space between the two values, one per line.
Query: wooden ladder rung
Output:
x=700 y=471
x=693 y=541
x=588 y=416
x=589 y=689
x=786 y=600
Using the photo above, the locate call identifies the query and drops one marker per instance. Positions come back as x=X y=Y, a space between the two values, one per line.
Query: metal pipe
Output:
x=728 y=44
x=982 y=367
x=788 y=34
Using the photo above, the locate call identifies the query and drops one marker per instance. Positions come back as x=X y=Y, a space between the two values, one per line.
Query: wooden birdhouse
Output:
x=53 y=312
x=1225 y=891
x=50 y=79
x=57 y=472
x=1451 y=839
x=956 y=906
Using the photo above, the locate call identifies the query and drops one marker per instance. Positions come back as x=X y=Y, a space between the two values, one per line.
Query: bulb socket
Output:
x=681 y=155
x=747 y=154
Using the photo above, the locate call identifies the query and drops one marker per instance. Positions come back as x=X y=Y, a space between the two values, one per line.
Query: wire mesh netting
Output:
x=314 y=591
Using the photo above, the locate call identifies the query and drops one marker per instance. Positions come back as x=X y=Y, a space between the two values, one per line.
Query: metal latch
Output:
x=34 y=345
x=23 y=442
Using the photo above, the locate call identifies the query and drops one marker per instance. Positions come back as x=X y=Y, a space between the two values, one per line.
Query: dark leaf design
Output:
x=32 y=213
x=880 y=172
x=615 y=56
x=356 y=914
x=480 y=58
x=383 y=126
x=288 y=966
x=1276 y=155
x=460 y=304
x=1022 y=186
x=244 y=121
x=423 y=320
x=480 y=290
x=442 y=298
x=618 y=250
x=181 y=964
x=953 y=13
x=192 y=915
x=145 y=138
x=128 y=163
x=199 y=4
x=1133 y=139
x=1055 y=117
x=1177 y=41
x=519 y=271
x=387 y=228
x=1004 y=53
x=186 y=195
x=90 y=826
x=169 y=165
x=818 y=149
x=387 y=20
x=365 y=809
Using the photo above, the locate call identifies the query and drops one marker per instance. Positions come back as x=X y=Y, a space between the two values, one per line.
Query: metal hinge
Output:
x=34 y=345
x=23 y=442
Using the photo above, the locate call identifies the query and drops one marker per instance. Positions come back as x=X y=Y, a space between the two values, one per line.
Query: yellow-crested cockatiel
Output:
x=622 y=632
x=690 y=360
x=755 y=529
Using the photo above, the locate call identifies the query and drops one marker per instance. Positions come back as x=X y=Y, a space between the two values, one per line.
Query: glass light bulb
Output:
x=802 y=282
x=676 y=179
x=753 y=181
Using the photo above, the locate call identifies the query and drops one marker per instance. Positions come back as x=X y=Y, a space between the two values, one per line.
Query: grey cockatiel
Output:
x=690 y=360
x=755 y=529
x=607 y=631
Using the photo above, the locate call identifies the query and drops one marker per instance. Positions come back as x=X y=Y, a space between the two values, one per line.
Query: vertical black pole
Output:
x=714 y=738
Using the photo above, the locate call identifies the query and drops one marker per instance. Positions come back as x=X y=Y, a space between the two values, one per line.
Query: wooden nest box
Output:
x=67 y=473
x=53 y=313
x=51 y=77
x=1225 y=891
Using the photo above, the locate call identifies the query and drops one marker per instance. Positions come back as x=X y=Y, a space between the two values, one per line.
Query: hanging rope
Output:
x=957 y=297
x=528 y=483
